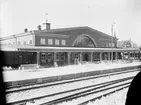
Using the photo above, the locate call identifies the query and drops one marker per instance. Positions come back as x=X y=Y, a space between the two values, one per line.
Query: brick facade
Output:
x=70 y=35
x=63 y=37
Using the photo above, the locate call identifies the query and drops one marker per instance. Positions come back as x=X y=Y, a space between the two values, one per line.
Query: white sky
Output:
x=16 y=15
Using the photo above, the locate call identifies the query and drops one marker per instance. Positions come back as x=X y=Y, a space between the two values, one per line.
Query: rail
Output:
x=74 y=93
x=35 y=86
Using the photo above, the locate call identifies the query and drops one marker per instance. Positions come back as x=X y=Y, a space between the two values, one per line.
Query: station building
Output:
x=62 y=37
x=67 y=38
x=126 y=44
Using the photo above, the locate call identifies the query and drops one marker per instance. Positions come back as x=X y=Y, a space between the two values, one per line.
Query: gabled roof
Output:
x=123 y=43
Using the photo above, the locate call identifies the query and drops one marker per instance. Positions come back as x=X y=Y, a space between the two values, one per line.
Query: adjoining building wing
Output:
x=126 y=44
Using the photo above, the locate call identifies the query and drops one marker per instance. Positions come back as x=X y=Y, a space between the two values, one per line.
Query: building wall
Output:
x=25 y=40
x=61 y=37
x=100 y=39
x=126 y=44
x=57 y=40
x=8 y=41
x=19 y=40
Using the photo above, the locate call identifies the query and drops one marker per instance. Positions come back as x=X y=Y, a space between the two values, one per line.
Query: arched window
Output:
x=84 y=41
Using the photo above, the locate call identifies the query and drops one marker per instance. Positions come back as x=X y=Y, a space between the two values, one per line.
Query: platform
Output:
x=66 y=70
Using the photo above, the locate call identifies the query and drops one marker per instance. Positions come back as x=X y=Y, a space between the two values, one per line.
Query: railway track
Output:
x=68 y=94
x=92 y=90
x=77 y=93
x=35 y=86
x=103 y=92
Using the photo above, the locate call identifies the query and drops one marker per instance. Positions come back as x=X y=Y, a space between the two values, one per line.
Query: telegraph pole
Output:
x=112 y=32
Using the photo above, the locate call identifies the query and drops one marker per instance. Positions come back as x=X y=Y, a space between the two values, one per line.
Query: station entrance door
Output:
x=86 y=56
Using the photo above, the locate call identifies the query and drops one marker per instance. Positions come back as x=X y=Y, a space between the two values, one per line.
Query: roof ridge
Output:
x=74 y=28
x=62 y=29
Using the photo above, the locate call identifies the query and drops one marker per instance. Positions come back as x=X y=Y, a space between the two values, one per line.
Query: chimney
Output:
x=25 y=30
x=39 y=27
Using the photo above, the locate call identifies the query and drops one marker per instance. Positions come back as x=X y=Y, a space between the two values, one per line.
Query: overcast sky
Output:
x=16 y=15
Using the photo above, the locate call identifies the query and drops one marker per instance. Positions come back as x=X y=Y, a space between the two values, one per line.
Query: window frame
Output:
x=24 y=43
x=30 y=41
x=57 y=42
x=63 y=42
x=19 y=43
x=50 y=41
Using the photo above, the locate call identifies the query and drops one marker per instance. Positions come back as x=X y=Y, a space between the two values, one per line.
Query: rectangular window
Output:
x=113 y=44
x=103 y=44
x=30 y=42
x=50 y=41
x=19 y=42
x=56 y=42
x=42 y=41
x=106 y=44
x=57 y=56
x=109 y=44
x=62 y=55
x=24 y=43
x=63 y=42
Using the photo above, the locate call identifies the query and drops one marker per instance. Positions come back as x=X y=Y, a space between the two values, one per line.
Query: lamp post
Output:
x=112 y=31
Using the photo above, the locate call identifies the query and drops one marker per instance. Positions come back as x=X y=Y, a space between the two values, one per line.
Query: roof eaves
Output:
x=102 y=33
x=17 y=35
x=62 y=29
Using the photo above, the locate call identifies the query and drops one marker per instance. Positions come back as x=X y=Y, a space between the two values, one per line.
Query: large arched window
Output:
x=84 y=41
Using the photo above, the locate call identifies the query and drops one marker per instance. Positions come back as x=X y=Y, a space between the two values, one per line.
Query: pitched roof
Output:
x=53 y=31
x=17 y=35
x=123 y=43
x=72 y=28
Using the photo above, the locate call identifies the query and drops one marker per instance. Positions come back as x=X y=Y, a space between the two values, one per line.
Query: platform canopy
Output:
x=75 y=49
x=63 y=49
